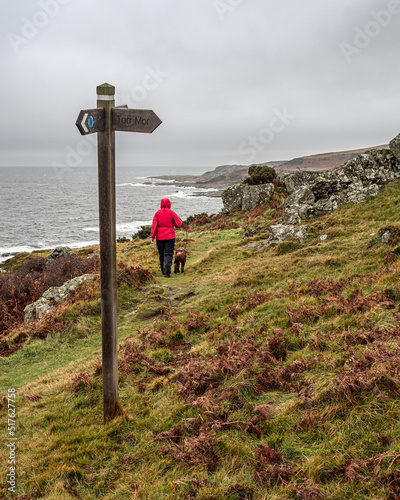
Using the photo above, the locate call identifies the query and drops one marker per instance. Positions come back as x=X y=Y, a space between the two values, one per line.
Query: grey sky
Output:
x=234 y=81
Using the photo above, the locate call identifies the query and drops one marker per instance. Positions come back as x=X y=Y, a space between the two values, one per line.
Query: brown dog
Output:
x=180 y=259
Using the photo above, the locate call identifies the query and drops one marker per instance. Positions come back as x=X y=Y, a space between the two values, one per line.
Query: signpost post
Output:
x=105 y=120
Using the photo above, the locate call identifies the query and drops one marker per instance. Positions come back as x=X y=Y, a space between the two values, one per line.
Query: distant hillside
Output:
x=228 y=175
x=223 y=176
x=325 y=161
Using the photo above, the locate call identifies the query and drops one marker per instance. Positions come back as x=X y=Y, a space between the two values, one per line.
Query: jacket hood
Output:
x=165 y=203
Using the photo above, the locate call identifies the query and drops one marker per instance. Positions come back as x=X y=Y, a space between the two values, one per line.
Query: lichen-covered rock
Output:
x=246 y=197
x=37 y=309
x=295 y=180
x=278 y=233
x=232 y=197
x=351 y=182
x=299 y=206
x=281 y=232
x=253 y=196
x=395 y=147
x=60 y=252
x=53 y=296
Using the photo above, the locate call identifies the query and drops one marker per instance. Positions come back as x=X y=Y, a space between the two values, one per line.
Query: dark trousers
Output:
x=166 y=253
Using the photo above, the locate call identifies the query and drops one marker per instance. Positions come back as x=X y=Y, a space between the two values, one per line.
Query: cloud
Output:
x=214 y=71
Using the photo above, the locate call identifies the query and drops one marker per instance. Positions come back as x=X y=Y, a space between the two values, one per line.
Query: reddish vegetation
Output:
x=322 y=287
x=376 y=368
x=133 y=275
x=197 y=322
x=267 y=456
x=194 y=451
x=269 y=469
x=393 y=484
x=261 y=358
x=173 y=435
x=200 y=374
x=309 y=494
x=27 y=284
x=133 y=360
x=81 y=382
x=220 y=221
x=250 y=301
x=337 y=304
x=351 y=470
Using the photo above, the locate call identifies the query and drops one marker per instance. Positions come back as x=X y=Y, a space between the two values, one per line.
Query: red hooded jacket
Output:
x=164 y=221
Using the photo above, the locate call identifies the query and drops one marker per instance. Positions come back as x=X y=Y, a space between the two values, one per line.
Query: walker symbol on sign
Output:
x=90 y=121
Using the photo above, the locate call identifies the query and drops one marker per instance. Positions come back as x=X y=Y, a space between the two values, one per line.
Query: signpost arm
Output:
x=107 y=218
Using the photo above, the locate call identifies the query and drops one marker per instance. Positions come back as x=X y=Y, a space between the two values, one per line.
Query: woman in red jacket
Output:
x=162 y=230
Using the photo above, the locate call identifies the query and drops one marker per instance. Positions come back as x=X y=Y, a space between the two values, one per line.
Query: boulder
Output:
x=351 y=182
x=278 y=233
x=281 y=232
x=246 y=197
x=60 y=252
x=52 y=297
x=37 y=309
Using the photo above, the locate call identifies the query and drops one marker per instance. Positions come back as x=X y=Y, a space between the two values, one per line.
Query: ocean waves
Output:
x=41 y=211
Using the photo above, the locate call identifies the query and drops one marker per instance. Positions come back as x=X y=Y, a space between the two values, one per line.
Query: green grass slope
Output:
x=258 y=374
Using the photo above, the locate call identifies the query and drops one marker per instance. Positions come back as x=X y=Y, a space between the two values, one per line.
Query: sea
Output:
x=46 y=207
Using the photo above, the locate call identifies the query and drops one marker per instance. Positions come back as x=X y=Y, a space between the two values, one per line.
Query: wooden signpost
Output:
x=105 y=120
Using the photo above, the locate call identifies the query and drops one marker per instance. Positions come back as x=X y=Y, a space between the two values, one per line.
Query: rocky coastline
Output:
x=226 y=176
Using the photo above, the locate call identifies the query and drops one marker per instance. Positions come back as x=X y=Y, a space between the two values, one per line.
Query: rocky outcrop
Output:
x=246 y=197
x=52 y=297
x=278 y=233
x=296 y=180
x=351 y=182
x=60 y=252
